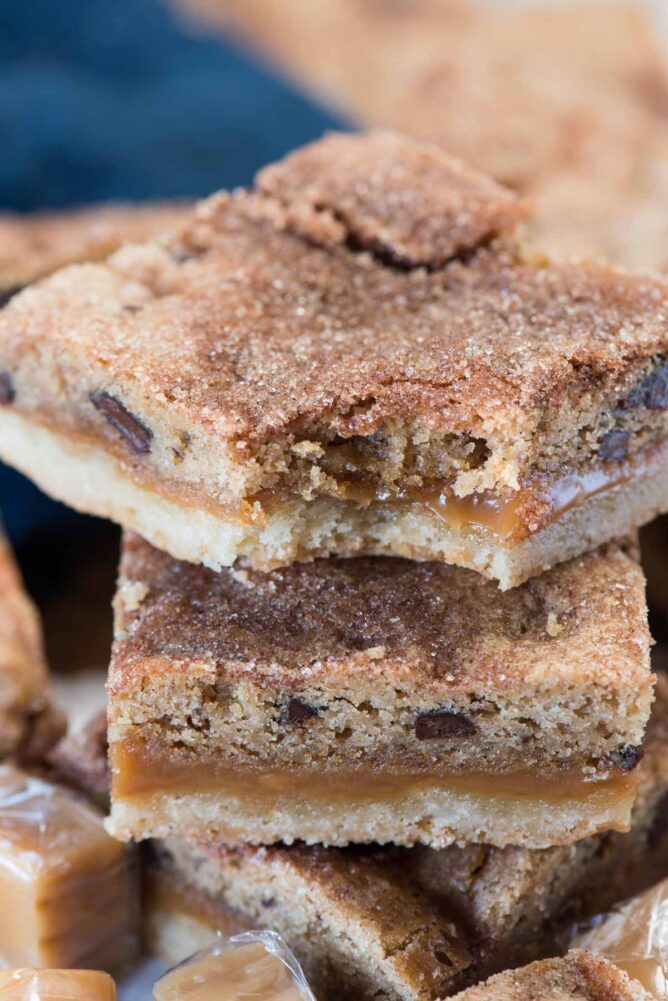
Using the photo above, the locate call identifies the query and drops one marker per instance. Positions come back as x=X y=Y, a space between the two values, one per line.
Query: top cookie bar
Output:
x=355 y=357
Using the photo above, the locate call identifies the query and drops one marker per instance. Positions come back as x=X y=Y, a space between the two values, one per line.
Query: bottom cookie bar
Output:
x=420 y=922
x=350 y=701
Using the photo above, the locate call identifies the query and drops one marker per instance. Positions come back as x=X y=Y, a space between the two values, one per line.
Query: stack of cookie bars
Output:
x=380 y=678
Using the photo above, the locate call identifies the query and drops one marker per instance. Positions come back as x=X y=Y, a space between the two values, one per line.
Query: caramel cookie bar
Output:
x=332 y=701
x=361 y=920
x=347 y=361
x=579 y=976
x=29 y=722
x=34 y=245
x=501 y=907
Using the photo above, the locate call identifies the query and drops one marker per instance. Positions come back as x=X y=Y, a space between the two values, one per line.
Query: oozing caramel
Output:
x=56 y=985
x=139 y=770
x=245 y=971
x=504 y=516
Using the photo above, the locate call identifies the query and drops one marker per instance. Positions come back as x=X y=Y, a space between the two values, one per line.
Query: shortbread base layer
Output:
x=90 y=480
x=434 y=812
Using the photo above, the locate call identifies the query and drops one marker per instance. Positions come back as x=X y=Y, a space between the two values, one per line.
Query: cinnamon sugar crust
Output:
x=37 y=244
x=579 y=976
x=351 y=334
x=340 y=666
x=29 y=722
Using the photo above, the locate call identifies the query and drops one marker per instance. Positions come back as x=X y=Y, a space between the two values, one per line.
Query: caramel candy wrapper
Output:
x=56 y=985
x=635 y=938
x=254 y=964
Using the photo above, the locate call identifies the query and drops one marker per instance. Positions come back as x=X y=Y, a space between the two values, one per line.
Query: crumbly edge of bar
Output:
x=350 y=923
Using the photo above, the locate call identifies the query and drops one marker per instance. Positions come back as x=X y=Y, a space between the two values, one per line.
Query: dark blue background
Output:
x=117 y=99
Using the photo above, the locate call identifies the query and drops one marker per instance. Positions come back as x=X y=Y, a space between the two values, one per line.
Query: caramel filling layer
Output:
x=141 y=771
x=503 y=517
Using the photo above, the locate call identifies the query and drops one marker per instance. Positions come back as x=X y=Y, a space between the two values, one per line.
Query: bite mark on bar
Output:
x=128 y=426
x=439 y=724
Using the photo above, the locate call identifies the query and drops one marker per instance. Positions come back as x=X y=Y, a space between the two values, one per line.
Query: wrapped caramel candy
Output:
x=254 y=964
x=68 y=890
x=56 y=985
x=635 y=938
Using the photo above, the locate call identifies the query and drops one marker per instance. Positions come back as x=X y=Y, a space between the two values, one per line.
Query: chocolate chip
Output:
x=297 y=711
x=652 y=392
x=7 y=391
x=131 y=307
x=127 y=425
x=656 y=389
x=627 y=757
x=439 y=724
x=614 y=446
x=268 y=902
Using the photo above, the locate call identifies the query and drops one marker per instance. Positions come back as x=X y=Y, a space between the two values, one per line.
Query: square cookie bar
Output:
x=346 y=361
x=352 y=700
x=420 y=923
x=501 y=907
x=29 y=722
